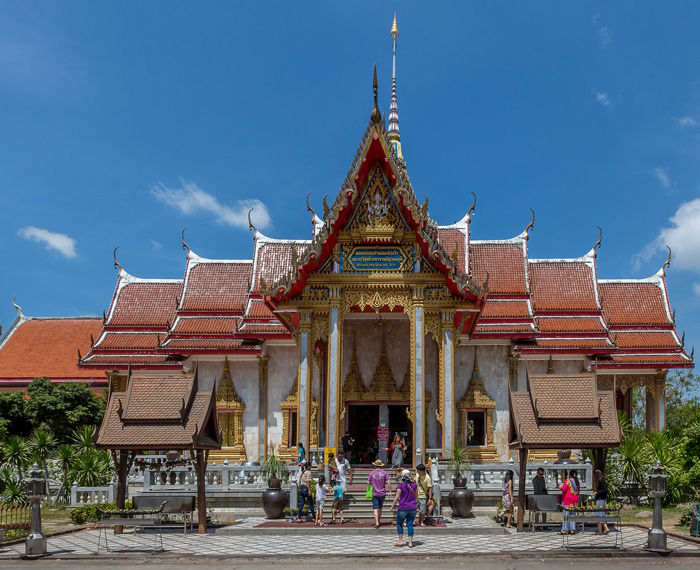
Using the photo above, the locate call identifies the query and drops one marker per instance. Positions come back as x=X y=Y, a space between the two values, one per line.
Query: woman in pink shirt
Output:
x=569 y=498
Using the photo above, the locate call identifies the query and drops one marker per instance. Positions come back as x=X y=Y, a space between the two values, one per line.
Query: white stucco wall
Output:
x=281 y=375
x=493 y=368
x=432 y=372
x=367 y=336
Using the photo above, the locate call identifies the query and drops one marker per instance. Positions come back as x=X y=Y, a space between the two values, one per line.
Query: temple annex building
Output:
x=386 y=322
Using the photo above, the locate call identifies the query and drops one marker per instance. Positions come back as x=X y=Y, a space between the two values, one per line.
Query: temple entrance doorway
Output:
x=365 y=423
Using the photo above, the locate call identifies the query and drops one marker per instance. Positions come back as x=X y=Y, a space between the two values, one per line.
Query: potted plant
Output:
x=461 y=499
x=274 y=499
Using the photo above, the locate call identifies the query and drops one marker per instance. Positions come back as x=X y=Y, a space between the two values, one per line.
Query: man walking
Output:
x=424 y=493
x=380 y=482
x=539 y=487
x=344 y=470
x=347 y=444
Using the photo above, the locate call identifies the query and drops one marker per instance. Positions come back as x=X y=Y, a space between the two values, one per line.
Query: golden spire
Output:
x=394 y=28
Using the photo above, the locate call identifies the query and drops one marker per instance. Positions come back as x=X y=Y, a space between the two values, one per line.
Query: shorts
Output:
x=320 y=503
x=338 y=504
x=423 y=505
x=378 y=501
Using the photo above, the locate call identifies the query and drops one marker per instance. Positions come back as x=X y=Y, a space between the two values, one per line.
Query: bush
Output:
x=89 y=513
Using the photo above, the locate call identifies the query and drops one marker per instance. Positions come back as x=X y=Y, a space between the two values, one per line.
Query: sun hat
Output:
x=405 y=473
x=378 y=463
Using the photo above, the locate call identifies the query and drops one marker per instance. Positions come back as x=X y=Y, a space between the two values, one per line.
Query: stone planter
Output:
x=461 y=499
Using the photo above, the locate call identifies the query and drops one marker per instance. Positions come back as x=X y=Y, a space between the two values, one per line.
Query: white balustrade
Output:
x=80 y=496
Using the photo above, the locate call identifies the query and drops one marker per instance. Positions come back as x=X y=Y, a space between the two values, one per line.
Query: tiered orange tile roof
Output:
x=542 y=306
x=35 y=347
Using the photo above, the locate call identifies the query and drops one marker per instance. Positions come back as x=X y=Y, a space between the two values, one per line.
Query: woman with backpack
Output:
x=569 y=498
x=407 y=506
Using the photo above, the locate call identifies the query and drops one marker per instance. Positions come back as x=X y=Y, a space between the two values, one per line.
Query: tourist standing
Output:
x=305 y=492
x=344 y=470
x=507 y=498
x=600 y=492
x=569 y=498
x=332 y=468
x=396 y=449
x=405 y=498
x=424 y=494
x=347 y=444
x=321 y=491
x=380 y=482
x=338 y=502
x=301 y=459
x=539 y=487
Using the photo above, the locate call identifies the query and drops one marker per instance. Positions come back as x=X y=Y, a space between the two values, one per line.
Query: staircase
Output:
x=356 y=505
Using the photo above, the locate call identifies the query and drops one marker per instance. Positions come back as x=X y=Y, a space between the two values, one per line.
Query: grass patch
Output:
x=671 y=517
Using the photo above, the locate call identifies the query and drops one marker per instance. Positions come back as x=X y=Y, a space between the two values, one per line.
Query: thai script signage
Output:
x=378 y=259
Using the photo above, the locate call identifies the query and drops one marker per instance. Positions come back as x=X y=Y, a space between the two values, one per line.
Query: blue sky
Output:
x=123 y=122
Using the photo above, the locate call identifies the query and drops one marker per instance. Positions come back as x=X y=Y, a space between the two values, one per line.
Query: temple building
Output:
x=387 y=322
x=36 y=347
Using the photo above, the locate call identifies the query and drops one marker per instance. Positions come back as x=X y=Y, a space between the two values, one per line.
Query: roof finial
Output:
x=692 y=353
x=313 y=215
x=599 y=242
x=667 y=263
x=472 y=209
x=184 y=243
x=530 y=226
x=393 y=130
x=250 y=222
x=16 y=306
x=375 y=115
x=116 y=263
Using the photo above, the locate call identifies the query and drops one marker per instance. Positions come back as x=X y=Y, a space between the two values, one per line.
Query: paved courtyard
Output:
x=430 y=542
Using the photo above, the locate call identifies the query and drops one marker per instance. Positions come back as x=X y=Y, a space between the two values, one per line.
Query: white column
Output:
x=448 y=421
x=333 y=379
x=304 y=385
x=383 y=422
x=419 y=363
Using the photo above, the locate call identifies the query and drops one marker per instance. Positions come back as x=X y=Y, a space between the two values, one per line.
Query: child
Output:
x=337 y=503
x=332 y=468
x=321 y=490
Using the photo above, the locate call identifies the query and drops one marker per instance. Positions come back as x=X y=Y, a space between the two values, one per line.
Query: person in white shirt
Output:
x=344 y=470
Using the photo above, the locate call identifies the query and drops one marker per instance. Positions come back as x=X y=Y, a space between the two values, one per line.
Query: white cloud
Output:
x=696 y=288
x=682 y=236
x=602 y=98
x=596 y=18
x=52 y=240
x=190 y=199
x=686 y=121
x=605 y=37
x=662 y=176
x=156 y=245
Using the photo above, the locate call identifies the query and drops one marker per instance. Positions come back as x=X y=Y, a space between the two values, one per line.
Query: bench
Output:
x=173 y=504
x=541 y=504
x=111 y=519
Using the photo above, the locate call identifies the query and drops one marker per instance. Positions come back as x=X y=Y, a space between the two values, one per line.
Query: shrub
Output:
x=89 y=513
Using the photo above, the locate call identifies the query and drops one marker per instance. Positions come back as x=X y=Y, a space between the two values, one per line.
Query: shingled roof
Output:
x=48 y=346
x=543 y=417
x=160 y=412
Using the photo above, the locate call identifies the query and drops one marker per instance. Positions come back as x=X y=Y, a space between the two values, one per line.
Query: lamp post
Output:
x=656 y=539
x=35 y=544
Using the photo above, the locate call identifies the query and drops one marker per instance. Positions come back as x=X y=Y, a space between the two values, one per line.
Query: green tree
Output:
x=17 y=452
x=63 y=407
x=81 y=439
x=42 y=444
x=91 y=468
x=65 y=454
x=682 y=401
x=13 y=414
